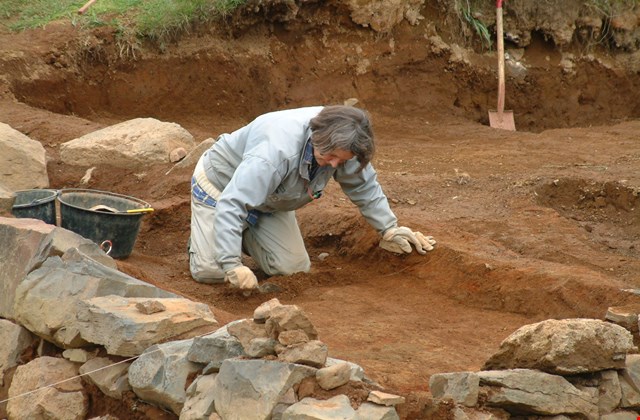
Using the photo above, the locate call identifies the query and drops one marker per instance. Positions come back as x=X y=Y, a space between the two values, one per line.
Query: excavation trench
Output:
x=512 y=250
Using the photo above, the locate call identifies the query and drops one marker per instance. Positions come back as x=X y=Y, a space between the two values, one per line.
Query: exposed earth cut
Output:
x=531 y=225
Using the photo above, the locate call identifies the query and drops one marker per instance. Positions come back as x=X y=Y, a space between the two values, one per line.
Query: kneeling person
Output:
x=247 y=186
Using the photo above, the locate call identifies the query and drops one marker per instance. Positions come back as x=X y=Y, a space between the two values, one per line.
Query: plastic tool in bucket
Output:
x=36 y=204
x=110 y=220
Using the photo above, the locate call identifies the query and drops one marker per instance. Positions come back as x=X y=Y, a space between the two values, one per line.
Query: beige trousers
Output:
x=274 y=242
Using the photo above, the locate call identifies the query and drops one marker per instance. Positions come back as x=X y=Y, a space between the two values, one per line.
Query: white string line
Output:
x=24 y=394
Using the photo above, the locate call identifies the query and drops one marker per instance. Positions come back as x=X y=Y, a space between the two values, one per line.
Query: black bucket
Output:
x=36 y=204
x=115 y=231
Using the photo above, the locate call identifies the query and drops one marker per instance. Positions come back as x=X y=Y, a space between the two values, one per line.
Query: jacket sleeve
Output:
x=364 y=191
x=254 y=179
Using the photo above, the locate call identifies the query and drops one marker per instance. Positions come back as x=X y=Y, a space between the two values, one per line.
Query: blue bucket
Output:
x=36 y=204
x=103 y=217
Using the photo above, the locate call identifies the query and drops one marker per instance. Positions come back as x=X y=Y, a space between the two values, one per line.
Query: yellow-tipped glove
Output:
x=242 y=278
x=400 y=239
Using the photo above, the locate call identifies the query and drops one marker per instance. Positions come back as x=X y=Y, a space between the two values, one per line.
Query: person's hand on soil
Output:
x=242 y=278
x=400 y=239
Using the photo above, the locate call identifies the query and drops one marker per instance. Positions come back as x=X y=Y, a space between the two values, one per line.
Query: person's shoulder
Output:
x=305 y=113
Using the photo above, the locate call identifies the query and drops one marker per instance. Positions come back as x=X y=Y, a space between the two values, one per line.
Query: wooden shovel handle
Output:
x=500 y=39
x=86 y=6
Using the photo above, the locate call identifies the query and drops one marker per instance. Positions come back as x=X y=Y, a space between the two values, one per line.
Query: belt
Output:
x=198 y=191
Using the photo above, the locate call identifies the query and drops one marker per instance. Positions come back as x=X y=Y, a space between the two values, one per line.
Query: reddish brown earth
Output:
x=535 y=224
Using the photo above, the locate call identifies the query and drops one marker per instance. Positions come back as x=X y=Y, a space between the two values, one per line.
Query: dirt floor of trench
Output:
x=535 y=224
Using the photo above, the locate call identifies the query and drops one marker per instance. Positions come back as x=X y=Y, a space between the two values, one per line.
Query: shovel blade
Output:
x=503 y=120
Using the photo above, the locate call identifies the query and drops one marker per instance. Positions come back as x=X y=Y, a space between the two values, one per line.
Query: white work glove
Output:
x=400 y=239
x=242 y=278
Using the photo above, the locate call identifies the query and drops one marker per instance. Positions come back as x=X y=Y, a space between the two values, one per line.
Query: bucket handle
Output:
x=108 y=245
x=43 y=199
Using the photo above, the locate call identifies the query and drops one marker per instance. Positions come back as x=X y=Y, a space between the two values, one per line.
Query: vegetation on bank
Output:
x=477 y=17
x=153 y=19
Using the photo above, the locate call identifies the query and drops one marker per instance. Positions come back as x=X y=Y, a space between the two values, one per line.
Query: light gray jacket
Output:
x=261 y=167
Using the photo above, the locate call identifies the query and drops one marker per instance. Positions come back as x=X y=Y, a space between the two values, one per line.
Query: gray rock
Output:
x=149 y=307
x=262 y=312
x=43 y=300
x=382 y=398
x=15 y=339
x=291 y=337
x=77 y=355
x=25 y=245
x=261 y=347
x=287 y=318
x=333 y=376
x=246 y=330
x=72 y=246
x=133 y=143
x=531 y=391
x=625 y=316
x=199 y=403
x=460 y=387
x=23 y=161
x=65 y=400
x=610 y=392
x=109 y=376
x=620 y=415
x=565 y=347
x=250 y=389
x=312 y=353
x=7 y=199
x=473 y=413
x=630 y=382
x=160 y=374
x=116 y=323
x=336 y=408
x=357 y=372
x=215 y=348
x=369 y=411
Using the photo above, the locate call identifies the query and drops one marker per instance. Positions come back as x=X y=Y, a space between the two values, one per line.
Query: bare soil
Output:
x=535 y=224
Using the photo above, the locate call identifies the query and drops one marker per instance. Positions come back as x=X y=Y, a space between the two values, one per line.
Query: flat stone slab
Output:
x=118 y=324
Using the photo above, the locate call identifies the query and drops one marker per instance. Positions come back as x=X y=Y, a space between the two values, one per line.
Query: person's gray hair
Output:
x=346 y=128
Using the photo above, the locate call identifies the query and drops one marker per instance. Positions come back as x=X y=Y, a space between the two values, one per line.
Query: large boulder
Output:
x=46 y=300
x=23 y=163
x=124 y=328
x=137 y=142
x=26 y=244
x=531 y=391
x=565 y=347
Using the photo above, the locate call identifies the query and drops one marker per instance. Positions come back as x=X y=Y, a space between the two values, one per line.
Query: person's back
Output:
x=277 y=137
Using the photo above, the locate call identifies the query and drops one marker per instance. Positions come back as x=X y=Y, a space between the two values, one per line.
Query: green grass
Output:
x=154 y=19
x=466 y=11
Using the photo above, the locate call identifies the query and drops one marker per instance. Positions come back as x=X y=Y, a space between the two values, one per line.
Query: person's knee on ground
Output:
x=204 y=271
x=280 y=263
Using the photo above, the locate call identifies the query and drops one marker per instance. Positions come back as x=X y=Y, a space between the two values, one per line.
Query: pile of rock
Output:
x=61 y=295
x=257 y=369
x=572 y=368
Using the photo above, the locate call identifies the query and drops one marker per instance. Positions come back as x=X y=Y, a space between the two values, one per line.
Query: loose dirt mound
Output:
x=530 y=225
